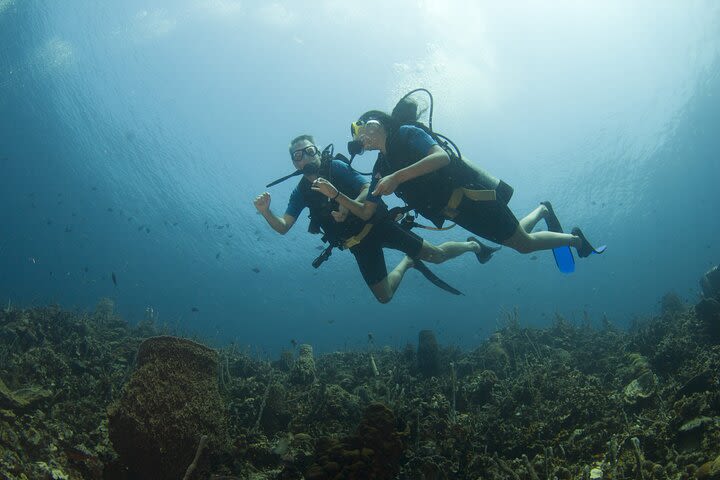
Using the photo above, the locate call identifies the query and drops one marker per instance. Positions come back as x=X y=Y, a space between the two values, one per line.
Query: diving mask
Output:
x=360 y=130
x=310 y=151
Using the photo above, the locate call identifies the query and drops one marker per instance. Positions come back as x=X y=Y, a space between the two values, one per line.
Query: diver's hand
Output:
x=262 y=202
x=386 y=185
x=326 y=188
x=339 y=215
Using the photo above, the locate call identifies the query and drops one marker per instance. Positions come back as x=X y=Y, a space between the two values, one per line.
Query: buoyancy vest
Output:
x=429 y=194
x=321 y=220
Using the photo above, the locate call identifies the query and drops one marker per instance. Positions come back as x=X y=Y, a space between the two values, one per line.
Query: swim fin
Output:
x=564 y=258
x=486 y=252
x=586 y=249
x=422 y=268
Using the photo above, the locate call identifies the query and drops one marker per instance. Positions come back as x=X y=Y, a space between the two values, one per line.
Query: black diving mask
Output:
x=310 y=151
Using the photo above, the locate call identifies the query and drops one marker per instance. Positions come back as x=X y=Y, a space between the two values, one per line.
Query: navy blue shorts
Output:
x=385 y=234
x=492 y=220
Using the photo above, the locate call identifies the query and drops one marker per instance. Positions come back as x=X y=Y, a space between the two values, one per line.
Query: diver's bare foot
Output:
x=544 y=212
x=483 y=252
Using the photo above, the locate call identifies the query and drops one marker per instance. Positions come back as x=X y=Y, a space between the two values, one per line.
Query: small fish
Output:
x=319 y=247
x=534 y=257
x=109 y=209
x=331 y=321
x=49 y=222
x=68 y=229
x=85 y=269
x=194 y=309
x=293 y=342
x=140 y=228
x=175 y=224
x=256 y=269
x=147 y=230
x=370 y=337
x=114 y=278
x=217 y=256
x=94 y=189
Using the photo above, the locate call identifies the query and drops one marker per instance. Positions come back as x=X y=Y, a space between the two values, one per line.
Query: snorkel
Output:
x=282 y=179
x=309 y=169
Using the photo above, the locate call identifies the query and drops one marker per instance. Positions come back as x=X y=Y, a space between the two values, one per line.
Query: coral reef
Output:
x=169 y=403
x=303 y=370
x=428 y=355
x=573 y=400
x=372 y=452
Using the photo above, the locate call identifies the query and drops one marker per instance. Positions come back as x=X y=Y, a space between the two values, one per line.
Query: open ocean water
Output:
x=134 y=136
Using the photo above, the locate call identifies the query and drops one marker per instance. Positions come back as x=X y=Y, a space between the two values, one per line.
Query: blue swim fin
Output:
x=564 y=258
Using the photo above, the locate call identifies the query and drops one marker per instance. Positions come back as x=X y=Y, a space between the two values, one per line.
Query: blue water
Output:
x=134 y=136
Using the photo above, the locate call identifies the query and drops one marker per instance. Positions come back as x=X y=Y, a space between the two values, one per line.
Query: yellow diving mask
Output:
x=355 y=128
x=364 y=128
x=359 y=131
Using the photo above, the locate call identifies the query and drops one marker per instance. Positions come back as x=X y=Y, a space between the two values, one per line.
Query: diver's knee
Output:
x=524 y=247
x=381 y=292
x=383 y=298
x=521 y=242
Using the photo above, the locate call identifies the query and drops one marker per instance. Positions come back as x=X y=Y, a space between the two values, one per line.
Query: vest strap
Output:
x=459 y=193
x=356 y=239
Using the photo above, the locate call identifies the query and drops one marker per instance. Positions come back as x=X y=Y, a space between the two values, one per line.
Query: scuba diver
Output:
x=334 y=194
x=421 y=168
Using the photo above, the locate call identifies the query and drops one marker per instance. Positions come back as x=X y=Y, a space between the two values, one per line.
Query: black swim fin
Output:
x=422 y=268
x=553 y=224
x=486 y=252
x=586 y=249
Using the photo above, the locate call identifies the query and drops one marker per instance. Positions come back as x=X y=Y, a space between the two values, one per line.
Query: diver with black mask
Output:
x=334 y=194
